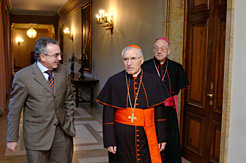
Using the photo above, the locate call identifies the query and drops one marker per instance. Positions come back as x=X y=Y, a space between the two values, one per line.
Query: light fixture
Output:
x=104 y=21
x=68 y=33
x=19 y=41
x=31 y=32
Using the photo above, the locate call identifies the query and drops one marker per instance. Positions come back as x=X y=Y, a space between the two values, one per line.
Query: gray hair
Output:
x=140 y=52
x=41 y=45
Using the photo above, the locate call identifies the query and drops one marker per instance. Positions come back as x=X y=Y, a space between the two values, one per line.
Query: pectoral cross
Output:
x=132 y=117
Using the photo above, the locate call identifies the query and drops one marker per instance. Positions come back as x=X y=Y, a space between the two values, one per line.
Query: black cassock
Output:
x=131 y=141
x=175 y=79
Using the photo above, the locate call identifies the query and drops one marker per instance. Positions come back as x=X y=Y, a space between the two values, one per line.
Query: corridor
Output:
x=88 y=143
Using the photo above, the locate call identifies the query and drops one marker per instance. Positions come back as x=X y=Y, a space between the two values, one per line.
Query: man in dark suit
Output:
x=48 y=107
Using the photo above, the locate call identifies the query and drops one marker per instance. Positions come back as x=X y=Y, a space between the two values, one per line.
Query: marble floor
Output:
x=88 y=142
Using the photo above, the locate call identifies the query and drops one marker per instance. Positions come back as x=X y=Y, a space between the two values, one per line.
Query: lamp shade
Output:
x=31 y=32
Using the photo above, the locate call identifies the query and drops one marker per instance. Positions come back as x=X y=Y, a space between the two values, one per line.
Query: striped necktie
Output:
x=51 y=84
x=51 y=79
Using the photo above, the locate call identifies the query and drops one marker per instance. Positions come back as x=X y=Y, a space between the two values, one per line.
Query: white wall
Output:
x=73 y=22
x=136 y=22
x=237 y=131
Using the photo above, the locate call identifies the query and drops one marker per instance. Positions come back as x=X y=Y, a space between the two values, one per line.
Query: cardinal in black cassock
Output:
x=173 y=76
x=134 y=115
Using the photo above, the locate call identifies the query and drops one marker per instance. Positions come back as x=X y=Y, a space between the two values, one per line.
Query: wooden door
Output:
x=204 y=64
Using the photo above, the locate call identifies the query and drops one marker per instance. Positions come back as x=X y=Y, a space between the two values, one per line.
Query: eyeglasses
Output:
x=163 y=48
x=133 y=59
x=54 y=55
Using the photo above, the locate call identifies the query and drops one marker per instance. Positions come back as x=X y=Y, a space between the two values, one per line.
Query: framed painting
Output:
x=86 y=58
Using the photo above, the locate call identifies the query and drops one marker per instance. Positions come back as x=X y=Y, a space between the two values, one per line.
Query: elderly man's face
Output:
x=53 y=56
x=132 y=61
x=161 y=50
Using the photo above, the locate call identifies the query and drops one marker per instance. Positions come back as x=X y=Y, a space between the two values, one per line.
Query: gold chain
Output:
x=141 y=77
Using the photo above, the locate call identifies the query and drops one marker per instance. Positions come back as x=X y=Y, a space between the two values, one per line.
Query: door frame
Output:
x=167 y=32
x=227 y=81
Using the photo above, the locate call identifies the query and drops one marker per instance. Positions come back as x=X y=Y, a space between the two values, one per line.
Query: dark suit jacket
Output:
x=30 y=91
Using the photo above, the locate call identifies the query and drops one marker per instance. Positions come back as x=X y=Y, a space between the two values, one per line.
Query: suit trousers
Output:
x=61 y=150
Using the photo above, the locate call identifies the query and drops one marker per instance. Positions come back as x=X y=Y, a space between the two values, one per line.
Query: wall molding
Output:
x=166 y=10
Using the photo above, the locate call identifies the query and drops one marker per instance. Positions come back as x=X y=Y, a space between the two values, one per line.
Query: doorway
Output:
x=23 y=46
x=204 y=64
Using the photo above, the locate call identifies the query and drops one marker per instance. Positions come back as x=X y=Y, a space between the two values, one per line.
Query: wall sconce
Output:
x=68 y=33
x=19 y=41
x=104 y=21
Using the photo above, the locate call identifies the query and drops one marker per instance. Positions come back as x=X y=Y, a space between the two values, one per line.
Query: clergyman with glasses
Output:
x=173 y=76
x=134 y=115
x=43 y=92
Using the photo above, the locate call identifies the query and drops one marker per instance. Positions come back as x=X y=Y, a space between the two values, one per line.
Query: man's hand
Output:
x=112 y=149
x=162 y=146
x=12 y=146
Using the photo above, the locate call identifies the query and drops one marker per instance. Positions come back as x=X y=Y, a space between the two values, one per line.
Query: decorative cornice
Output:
x=70 y=6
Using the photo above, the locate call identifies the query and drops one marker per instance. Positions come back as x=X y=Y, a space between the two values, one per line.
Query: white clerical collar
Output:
x=136 y=75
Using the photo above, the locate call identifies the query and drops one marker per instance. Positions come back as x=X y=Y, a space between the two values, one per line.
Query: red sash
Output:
x=172 y=101
x=145 y=118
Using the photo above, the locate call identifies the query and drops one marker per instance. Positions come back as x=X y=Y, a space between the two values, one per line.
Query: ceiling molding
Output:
x=36 y=7
x=33 y=12
x=70 y=6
